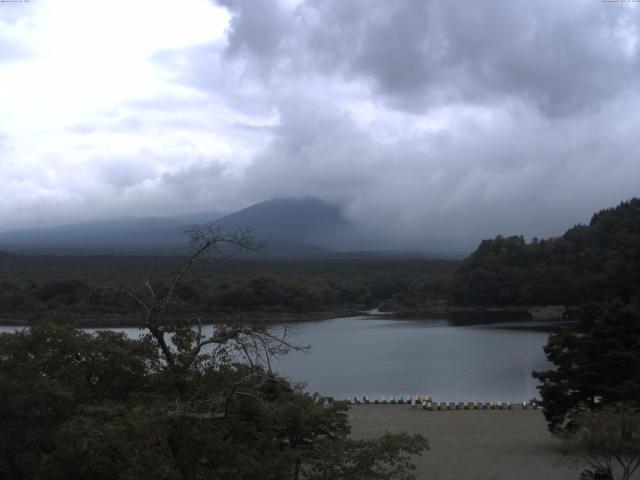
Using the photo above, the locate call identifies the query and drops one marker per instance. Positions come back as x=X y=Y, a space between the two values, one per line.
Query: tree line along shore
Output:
x=505 y=276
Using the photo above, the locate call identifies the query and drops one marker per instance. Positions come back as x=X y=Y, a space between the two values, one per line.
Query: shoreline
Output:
x=472 y=444
x=129 y=321
x=512 y=317
x=479 y=313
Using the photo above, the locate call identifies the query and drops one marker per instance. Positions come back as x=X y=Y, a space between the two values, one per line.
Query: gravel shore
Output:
x=472 y=444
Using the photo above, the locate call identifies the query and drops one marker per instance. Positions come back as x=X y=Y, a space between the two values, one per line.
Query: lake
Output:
x=379 y=356
x=374 y=355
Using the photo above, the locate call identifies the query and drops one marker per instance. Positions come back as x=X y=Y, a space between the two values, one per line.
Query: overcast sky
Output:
x=428 y=122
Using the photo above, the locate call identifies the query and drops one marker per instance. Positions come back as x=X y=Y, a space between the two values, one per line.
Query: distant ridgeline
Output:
x=589 y=262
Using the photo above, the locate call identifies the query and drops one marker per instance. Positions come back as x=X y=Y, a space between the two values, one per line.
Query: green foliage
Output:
x=31 y=289
x=285 y=293
x=587 y=263
x=597 y=363
x=74 y=405
x=50 y=371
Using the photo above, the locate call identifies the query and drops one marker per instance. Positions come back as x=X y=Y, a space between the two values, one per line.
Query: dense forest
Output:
x=86 y=286
x=589 y=262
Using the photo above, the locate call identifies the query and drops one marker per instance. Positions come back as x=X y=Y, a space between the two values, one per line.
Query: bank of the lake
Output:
x=479 y=313
x=110 y=320
x=458 y=315
x=472 y=444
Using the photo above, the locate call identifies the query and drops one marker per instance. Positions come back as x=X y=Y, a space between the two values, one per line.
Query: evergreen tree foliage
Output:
x=587 y=263
x=596 y=363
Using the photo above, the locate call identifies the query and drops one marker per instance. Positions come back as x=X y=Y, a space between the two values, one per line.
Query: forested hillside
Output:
x=589 y=262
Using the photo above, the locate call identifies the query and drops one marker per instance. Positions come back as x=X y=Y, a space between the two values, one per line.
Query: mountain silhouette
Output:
x=296 y=227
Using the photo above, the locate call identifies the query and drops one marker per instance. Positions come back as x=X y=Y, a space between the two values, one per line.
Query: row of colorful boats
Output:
x=427 y=403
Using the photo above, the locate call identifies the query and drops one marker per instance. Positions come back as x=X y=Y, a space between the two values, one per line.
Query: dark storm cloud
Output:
x=561 y=56
x=446 y=190
x=533 y=105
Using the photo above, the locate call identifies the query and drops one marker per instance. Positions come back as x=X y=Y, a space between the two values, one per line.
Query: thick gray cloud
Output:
x=432 y=123
x=439 y=123
x=520 y=174
x=257 y=27
x=562 y=56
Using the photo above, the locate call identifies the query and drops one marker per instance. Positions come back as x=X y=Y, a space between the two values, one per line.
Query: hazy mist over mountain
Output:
x=306 y=221
x=291 y=227
x=428 y=125
x=298 y=227
x=122 y=233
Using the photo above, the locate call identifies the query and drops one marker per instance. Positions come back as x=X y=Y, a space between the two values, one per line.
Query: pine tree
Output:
x=597 y=363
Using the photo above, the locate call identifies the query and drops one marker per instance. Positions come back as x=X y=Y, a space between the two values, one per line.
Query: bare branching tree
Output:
x=180 y=338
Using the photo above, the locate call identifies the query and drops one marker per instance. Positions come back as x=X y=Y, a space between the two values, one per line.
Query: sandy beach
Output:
x=472 y=444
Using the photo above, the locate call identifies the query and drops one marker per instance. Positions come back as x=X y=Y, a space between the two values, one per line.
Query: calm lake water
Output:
x=370 y=355
x=378 y=356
